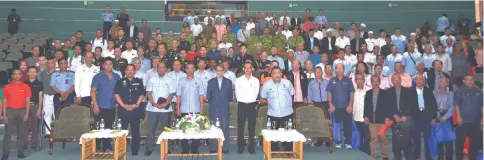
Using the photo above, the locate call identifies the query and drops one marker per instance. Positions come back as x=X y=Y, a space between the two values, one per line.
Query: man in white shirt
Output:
x=83 y=78
x=381 y=41
x=196 y=28
x=76 y=60
x=243 y=33
x=246 y=92
x=225 y=44
x=358 y=111
x=221 y=16
x=371 y=41
x=318 y=34
x=287 y=32
x=109 y=52
x=209 y=16
x=99 y=41
x=176 y=75
x=342 y=41
x=447 y=35
x=132 y=30
x=269 y=18
x=129 y=53
x=284 y=16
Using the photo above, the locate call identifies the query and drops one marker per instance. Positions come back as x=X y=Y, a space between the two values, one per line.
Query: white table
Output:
x=213 y=133
x=88 y=141
x=283 y=136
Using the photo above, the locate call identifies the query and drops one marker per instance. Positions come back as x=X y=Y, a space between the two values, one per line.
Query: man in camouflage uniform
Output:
x=169 y=40
x=295 y=39
x=139 y=42
x=263 y=63
x=251 y=41
x=120 y=40
x=266 y=40
x=280 y=40
x=230 y=35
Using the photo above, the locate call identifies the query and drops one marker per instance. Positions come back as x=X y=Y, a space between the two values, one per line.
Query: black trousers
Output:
x=86 y=100
x=132 y=118
x=108 y=116
x=347 y=120
x=407 y=151
x=461 y=132
x=246 y=111
x=279 y=121
x=195 y=142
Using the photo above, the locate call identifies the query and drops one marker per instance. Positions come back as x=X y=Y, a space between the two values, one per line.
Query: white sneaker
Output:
x=348 y=146
x=337 y=146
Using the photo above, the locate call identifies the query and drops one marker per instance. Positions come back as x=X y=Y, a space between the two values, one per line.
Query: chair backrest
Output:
x=40 y=41
x=309 y=117
x=206 y=109
x=2 y=55
x=5 y=65
x=72 y=121
x=24 y=41
x=73 y=113
x=10 y=41
x=16 y=47
x=14 y=56
x=45 y=35
x=19 y=35
x=32 y=35
x=3 y=47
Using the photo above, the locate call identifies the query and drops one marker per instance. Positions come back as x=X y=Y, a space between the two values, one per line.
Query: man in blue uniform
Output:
x=62 y=83
x=190 y=94
x=102 y=95
x=107 y=17
x=468 y=108
x=129 y=93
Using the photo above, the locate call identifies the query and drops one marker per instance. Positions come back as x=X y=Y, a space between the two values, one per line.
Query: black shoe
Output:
x=148 y=153
x=213 y=152
x=195 y=152
x=240 y=150
x=251 y=150
x=184 y=152
x=134 y=154
x=21 y=156
x=225 y=152
x=4 y=157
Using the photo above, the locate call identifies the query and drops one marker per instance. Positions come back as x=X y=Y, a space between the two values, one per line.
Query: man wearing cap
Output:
x=363 y=33
x=371 y=41
x=107 y=18
x=328 y=42
x=13 y=21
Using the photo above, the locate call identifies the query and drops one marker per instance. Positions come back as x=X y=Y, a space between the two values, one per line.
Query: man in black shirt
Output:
x=36 y=89
x=13 y=22
x=119 y=64
x=122 y=17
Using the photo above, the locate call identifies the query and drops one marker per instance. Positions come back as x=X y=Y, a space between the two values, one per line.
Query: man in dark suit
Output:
x=426 y=115
x=375 y=115
x=387 y=48
x=327 y=43
x=356 y=43
x=288 y=62
x=310 y=41
x=295 y=21
x=301 y=88
x=219 y=94
x=131 y=31
x=434 y=75
x=403 y=102
x=232 y=20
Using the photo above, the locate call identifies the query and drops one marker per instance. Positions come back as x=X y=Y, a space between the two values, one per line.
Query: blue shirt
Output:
x=390 y=62
x=469 y=101
x=340 y=91
x=400 y=42
x=317 y=91
x=320 y=19
x=410 y=65
x=176 y=77
x=278 y=59
x=445 y=102
x=205 y=76
x=279 y=97
x=105 y=89
x=189 y=92
x=160 y=87
x=235 y=29
x=107 y=17
x=189 y=19
x=213 y=54
x=428 y=60
x=420 y=98
x=442 y=23
x=346 y=63
x=145 y=64
x=63 y=81
x=315 y=59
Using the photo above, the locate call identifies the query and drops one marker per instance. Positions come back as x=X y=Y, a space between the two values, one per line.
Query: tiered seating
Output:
x=16 y=47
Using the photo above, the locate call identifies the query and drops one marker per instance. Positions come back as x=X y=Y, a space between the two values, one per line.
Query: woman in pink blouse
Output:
x=479 y=57
x=406 y=79
x=220 y=28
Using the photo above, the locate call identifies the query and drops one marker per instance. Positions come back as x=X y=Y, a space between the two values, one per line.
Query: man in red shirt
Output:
x=16 y=110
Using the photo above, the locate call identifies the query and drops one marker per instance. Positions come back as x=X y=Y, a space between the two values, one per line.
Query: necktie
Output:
x=357 y=45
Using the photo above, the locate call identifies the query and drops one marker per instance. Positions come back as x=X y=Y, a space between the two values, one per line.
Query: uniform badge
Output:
x=124 y=82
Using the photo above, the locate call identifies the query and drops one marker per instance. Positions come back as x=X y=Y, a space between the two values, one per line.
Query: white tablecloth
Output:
x=213 y=133
x=104 y=134
x=283 y=136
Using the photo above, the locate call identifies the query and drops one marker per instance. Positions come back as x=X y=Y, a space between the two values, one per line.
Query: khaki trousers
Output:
x=374 y=128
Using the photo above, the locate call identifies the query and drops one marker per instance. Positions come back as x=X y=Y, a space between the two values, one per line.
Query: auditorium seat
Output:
x=24 y=41
x=2 y=55
x=14 y=56
x=3 y=47
x=10 y=41
x=16 y=47
x=19 y=35
x=40 y=41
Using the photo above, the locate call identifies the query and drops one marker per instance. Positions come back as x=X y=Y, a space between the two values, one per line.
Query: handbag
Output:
x=444 y=132
x=336 y=128
x=355 y=137
x=401 y=138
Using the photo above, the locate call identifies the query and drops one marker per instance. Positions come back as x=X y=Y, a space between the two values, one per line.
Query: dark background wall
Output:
x=63 y=18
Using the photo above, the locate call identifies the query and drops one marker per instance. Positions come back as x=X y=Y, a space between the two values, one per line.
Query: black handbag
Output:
x=401 y=138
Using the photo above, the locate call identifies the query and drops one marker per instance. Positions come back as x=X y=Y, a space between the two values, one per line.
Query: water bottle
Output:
x=268 y=124
x=217 y=123
x=102 y=124
x=289 y=124
x=119 y=124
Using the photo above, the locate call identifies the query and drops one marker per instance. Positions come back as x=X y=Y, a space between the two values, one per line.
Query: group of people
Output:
x=359 y=78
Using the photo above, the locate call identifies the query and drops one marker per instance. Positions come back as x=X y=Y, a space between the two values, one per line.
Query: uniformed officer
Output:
x=107 y=17
x=145 y=62
x=35 y=106
x=173 y=53
x=203 y=74
x=176 y=75
x=120 y=41
x=62 y=83
x=242 y=58
x=83 y=79
x=203 y=56
x=468 y=108
x=143 y=76
x=190 y=100
x=183 y=60
x=224 y=57
x=48 y=97
x=263 y=63
x=129 y=93
x=119 y=64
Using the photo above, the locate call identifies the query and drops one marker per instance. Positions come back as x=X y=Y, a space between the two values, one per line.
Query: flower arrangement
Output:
x=193 y=123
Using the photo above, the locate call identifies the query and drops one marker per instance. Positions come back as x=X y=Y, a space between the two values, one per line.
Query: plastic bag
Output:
x=355 y=137
x=337 y=130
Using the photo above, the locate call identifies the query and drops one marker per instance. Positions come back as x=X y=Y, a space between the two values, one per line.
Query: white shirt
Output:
x=196 y=29
x=287 y=33
x=160 y=87
x=400 y=38
x=281 y=20
x=99 y=42
x=330 y=47
x=447 y=62
x=319 y=35
x=247 y=90
x=83 y=78
x=249 y=26
x=381 y=42
x=342 y=42
x=444 y=38
x=131 y=31
x=108 y=53
x=129 y=55
x=269 y=19
x=370 y=58
x=359 y=103
x=76 y=62
x=205 y=20
x=224 y=45
x=370 y=43
x=352 y=58
x=222 y=18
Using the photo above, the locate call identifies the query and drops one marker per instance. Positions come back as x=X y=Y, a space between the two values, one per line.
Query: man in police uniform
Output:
x=242 y=58
x=190 y=100
x=129 y=93
x=62 y=83
x=263 y=63
x=468 y=108
x=183 y=60
x=203 y=56
x=224 y=57
x=119 y=64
